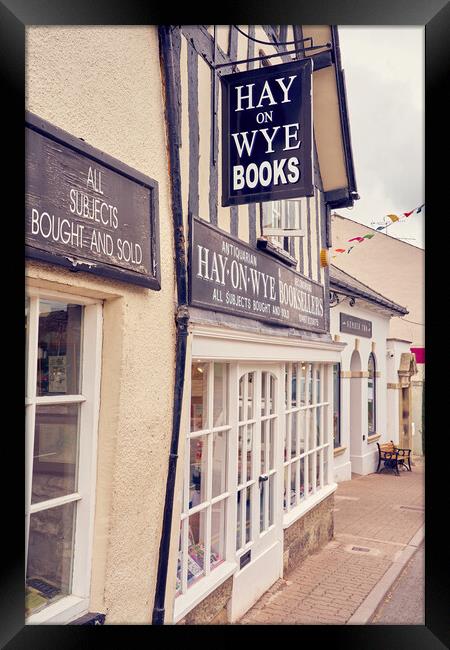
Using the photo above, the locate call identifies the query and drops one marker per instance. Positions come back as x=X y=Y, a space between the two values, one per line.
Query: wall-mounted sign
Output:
x=353 y=325
x=228 y=276
x=88 y=211
x=267 y=134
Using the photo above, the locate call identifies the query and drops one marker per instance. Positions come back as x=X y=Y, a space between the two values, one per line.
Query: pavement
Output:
x=379 y=525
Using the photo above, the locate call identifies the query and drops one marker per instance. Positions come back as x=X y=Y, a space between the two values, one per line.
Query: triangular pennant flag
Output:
x=393 y=217
x=381 y=227
x=340 y=250
x=356 y=239
x=407 y=214
x=419 y=209
x=369 y=236
x=350 y=249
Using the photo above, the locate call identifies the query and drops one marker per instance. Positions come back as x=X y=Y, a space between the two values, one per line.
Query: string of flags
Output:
x=392 y=217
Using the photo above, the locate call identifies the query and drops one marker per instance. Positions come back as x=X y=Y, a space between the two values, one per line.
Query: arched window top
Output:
x=371 y=364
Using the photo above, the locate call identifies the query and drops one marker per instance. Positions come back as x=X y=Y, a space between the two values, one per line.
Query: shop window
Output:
x=203 y=519
x=371 y=396
x=62 y=378
x=337 y=405
x=306 y=441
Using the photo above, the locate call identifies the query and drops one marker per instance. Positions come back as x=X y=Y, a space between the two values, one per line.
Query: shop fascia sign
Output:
x=228 y=276
x=267 y=134
x=353 y=325
x=88 y=211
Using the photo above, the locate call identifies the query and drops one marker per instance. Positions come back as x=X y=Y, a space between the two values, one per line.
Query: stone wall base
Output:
x=308 y=534
x=213 y=609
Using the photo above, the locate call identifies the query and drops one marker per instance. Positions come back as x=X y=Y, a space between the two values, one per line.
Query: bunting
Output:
x=393 y=217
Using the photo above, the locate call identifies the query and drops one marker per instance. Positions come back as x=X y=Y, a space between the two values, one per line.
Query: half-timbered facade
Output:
x=254 y=484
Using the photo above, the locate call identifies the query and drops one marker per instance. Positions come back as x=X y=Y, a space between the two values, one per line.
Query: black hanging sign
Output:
x=228 y=276
x=88 y=211
x=267 y=134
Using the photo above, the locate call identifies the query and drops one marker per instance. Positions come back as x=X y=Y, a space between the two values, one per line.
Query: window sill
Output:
x=339 y=450
x=291 y=517
x=63 y=611
x=197 y=593
x=376 y=436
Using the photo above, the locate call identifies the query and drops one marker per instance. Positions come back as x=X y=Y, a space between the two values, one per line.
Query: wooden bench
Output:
x=393 y=456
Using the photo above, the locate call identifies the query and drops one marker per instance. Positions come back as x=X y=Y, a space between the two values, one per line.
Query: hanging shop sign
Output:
x=88 y=211
x=228 y=276
x=352 y=325
x=267 y=134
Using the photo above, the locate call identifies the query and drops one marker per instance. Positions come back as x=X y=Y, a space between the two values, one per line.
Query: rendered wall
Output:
x=103 y=84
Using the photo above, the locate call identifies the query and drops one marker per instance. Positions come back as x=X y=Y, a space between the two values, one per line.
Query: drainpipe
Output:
x=168 y=54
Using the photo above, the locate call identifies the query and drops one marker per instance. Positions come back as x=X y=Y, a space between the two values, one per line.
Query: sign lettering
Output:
x=267 y=134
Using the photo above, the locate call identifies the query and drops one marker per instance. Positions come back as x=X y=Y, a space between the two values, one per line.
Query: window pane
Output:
x=264 y=443
x=302 y=478
x=248 y=515
x=271 y=394
x=294 y=450
x=55 y=455
x=318 y=384
x=272 y=443
x=59 y=344
x=50 y=552
x=293 y=481
x=318 y=463
x=240 y=457
x=302 y=430
x=264 y=405
x=220 y=395
x=239 y=497
x=294 y=387
x=178 y=583
x=311 y=413
x=27 y=332
x=271 y=498
x=219 y=477
x=311 y=469
x=249 y=452
x=309 y=381
x=336 y=405
x=303 y=385
x=286 y=487
x=196 y=547
x=199 y=392
x=318 y=424
x=250 y=403
x=198 y=470
x=218 y=533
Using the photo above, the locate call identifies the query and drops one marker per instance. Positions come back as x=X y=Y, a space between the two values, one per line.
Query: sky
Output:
x=384 y=76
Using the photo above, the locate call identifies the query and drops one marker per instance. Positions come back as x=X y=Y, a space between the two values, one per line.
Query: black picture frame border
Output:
x=434 y=15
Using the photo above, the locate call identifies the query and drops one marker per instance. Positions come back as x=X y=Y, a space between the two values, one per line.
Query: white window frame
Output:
x=309 y=454
x=192 y=595
x=77 y=602
x=279 y=213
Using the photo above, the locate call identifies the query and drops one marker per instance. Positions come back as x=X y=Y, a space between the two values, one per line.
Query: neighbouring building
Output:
x=396 y=269
x=179 y=357
x=365 y=408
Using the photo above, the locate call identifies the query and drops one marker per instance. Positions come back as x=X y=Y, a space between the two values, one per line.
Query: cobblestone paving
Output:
x=327 y=588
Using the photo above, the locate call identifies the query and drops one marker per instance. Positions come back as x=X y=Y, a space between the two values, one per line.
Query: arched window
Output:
x=371 y=395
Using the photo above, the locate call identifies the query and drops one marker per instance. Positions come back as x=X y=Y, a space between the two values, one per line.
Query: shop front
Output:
x=258 y=456
x=363 y=413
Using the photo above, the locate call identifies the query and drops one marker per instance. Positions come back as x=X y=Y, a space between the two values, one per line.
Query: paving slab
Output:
x=379 y=521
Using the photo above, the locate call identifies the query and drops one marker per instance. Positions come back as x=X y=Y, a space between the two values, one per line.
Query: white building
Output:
x=372 y=382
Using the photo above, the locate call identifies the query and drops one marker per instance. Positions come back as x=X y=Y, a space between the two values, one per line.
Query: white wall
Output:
x=361 y=456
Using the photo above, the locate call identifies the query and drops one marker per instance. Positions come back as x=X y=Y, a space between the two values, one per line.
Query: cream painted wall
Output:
x=103 y=84
x=392 y=267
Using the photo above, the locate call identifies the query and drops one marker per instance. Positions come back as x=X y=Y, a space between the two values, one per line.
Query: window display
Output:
x=202 y=529
x=306 y=440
